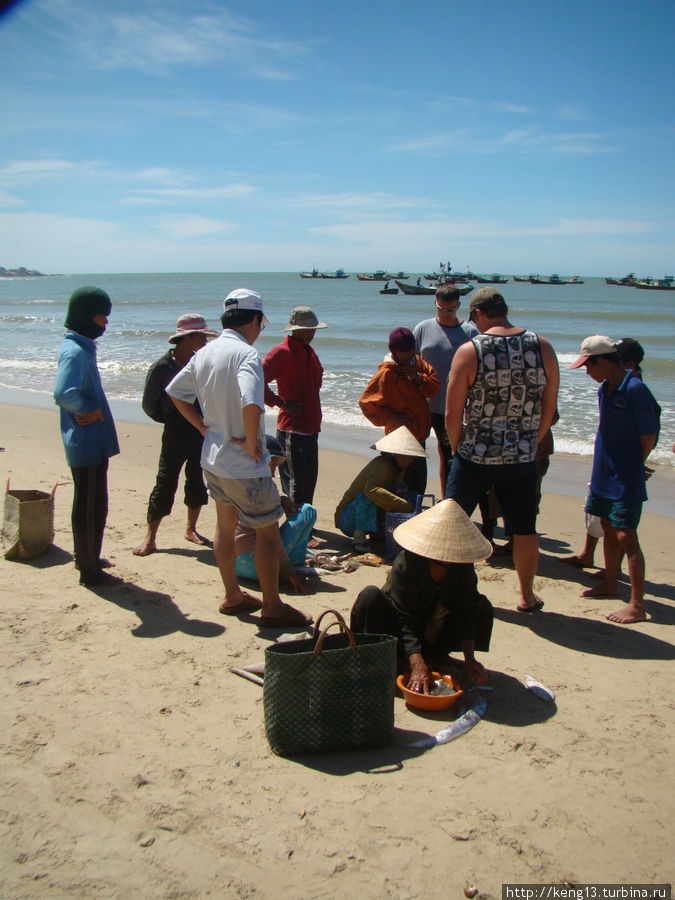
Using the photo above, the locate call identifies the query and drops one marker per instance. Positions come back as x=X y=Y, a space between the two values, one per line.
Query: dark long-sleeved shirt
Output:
x=414 y=594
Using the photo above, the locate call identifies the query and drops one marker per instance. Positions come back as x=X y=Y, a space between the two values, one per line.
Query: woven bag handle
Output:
x=338 y=621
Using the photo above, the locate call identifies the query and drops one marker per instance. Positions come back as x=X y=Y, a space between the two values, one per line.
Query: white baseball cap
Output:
x=243 y=298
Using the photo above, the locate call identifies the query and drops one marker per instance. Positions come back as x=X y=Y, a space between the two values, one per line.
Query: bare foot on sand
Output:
x=602 y=590
x=578 y=561
x=146 y=548
x=195 y=538
x=628 y=615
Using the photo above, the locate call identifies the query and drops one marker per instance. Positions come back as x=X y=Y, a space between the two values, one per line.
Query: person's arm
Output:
x=251 y=415
x=70 y=395
x=189 y=412
x=473 y=668
x=647 y=442
x=549 y=398
x=462 y=375
x=429 y=383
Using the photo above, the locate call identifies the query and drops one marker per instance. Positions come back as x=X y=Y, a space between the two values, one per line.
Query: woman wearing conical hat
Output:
x=381 y=486
x=430 y=600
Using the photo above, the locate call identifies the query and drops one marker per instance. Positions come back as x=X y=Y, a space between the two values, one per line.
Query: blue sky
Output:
x=264 y=136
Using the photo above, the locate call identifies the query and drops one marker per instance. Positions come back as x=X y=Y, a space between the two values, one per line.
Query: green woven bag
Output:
x=330 y=692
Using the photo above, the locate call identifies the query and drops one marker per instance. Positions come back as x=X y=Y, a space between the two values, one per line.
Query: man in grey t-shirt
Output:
x=436 y=341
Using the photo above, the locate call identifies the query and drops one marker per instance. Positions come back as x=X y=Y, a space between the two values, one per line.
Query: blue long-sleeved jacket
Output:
x=78 y=390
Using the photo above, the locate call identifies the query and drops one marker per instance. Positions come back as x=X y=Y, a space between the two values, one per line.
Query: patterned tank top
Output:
x=503 y=408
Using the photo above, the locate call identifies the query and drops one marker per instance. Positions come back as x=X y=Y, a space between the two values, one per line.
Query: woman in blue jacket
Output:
x=87 y=429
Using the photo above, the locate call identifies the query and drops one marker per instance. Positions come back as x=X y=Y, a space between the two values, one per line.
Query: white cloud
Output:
x=519 y=141
x=222 y=192
x=163 y=38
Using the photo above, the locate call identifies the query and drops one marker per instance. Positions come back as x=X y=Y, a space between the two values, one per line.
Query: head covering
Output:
x=401 y=339
x=400 y=441
x=303 y=317
x=444 y=533
x=85 y=303
x=243 y=298
x=630 y=351
x=488 y=299
x=191 y=323
x=595 y=345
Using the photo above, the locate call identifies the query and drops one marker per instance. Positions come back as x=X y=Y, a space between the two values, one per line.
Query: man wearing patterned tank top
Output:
x=501 y=399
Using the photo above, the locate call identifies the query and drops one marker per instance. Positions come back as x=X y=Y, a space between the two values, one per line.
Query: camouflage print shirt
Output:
x=503 y=407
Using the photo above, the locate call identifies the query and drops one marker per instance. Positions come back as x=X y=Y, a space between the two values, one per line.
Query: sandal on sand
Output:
x=287 y=615
x=536 y=606
x=248 y=603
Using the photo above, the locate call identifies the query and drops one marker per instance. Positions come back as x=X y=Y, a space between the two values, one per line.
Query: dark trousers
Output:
x=372 y=613
x=90 y=511
x=171 y=459
x=300 y=469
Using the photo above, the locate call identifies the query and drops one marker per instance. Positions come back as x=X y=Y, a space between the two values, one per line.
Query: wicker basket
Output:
x=28 y=523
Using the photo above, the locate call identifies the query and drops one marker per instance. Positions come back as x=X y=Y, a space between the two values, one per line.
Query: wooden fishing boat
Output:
x=389 y=290
x=338 y=273
x=495 y=278
x=313 y=274
x=415 y=288
x=379 y=275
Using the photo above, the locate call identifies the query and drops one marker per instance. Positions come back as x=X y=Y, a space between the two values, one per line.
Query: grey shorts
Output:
x=255 y=499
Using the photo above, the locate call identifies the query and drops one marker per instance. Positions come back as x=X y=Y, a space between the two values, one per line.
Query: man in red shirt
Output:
x=298 y=374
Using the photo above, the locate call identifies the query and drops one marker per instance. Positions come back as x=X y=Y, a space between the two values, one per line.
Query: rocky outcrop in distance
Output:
x=21 y=272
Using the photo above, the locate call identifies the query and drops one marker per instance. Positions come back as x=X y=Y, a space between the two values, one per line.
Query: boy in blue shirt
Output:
x=626 y=436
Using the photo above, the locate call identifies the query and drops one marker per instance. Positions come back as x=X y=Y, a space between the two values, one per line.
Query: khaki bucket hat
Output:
x=401 y=441
x=444 y=533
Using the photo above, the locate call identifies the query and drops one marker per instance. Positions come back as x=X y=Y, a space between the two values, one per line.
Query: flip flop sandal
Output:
x=531 y=609
x=248 y=603
x=287 y=617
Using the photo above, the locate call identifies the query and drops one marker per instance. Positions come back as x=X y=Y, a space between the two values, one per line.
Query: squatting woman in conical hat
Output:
x=430 y=600
x=381 y=486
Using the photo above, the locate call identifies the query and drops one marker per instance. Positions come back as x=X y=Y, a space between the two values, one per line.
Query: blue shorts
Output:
x=515 y=486
x=621 y=515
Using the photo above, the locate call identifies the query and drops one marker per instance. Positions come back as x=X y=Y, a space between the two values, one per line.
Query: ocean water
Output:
x=145 y=309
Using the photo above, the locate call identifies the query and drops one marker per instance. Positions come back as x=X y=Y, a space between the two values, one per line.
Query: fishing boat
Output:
x=415 y=288
x=389 y=290
x=338 y=273
x=626 y=281
x=313 y=274
x=495 y=278
x=659 y=284
x=379 y=275
x=522 y=278
x=422 y=289
x=552 y=279
x=576 y=280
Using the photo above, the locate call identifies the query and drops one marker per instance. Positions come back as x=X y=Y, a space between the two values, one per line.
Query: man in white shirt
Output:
x=227 y=378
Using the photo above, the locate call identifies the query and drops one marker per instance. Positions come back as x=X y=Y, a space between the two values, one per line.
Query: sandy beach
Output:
x=134 y=764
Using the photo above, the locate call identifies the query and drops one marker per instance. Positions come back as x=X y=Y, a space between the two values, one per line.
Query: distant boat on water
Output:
x=379 y=275
x=338 y=273
x=495 y=278
x=659 y=284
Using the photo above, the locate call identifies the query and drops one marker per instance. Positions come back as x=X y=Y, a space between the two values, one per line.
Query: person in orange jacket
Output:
x=397 y=395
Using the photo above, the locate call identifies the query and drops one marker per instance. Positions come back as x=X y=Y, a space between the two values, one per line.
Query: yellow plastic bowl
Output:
x=430 y=701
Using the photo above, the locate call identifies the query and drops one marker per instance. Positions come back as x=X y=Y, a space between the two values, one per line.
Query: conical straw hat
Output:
x=401 y=441
x=444 y=533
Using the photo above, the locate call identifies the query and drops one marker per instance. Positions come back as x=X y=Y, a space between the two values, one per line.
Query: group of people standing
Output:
x=488 y=389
